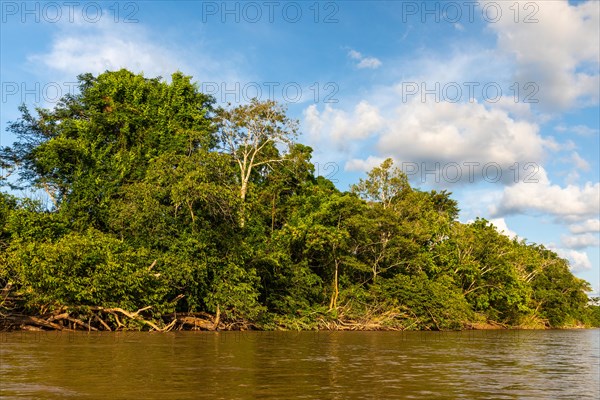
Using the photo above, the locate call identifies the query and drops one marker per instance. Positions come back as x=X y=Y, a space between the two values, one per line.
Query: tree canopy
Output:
x=168 y=212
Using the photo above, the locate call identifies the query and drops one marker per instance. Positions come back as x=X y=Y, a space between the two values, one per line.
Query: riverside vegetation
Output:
x=166 y=212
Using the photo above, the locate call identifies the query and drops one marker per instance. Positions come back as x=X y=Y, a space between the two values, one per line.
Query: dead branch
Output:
x=58 y=317
x=152 y=265
x=104 y=324
x=134 y=316
x=197 y=323
x=81 y=323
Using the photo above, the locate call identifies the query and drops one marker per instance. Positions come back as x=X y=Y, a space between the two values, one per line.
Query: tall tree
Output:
x=250 y=134
x=383 y=184
x=93 y=143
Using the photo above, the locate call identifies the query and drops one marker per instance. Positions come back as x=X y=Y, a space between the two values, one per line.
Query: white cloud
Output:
x=369 y=62
x=463 y=133
x=571 y=203
x=471 y=67
x=336 y=134
x=579 y=162
x=339 y=126
x=80 y=47
x=580 y=130
x=102 y=46
x=364 y=62
x=559 y=51
x=476 y=202
x=355 y=55
x=578 y=260
x=580 y=241
x=590 y=225
x=356 y=164
x=501 y=227
x=595 y=292
x=313 y=121
x=462 y=142
x=514 y=108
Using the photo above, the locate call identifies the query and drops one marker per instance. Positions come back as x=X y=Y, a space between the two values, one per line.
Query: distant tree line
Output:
x=168 y=212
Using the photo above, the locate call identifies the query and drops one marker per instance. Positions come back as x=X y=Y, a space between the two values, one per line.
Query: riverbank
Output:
x=118 y=320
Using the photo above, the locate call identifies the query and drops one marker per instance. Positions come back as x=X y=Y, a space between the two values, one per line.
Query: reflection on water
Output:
x=302 y=365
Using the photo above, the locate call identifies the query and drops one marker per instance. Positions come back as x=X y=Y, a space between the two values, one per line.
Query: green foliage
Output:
x=235 y=291
x=594 y=312
x=429 y=304
x=560 y=295
x=383 y=185
x=92 y=144
x=86 y=269
x=159 y=200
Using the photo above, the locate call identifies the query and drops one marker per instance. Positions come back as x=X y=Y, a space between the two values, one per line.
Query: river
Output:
x=554 y=364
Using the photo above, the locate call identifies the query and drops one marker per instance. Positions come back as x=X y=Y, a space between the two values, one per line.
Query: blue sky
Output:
x=496 y=101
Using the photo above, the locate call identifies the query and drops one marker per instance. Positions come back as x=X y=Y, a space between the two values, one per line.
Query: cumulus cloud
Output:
x=364 y=62
x=559 y=51
x=464 y=133
x=516 y=109
x=571 y=203
x=340 y=126
x=335 y=134
x=81 y=47
x=580 y=241
x=578 y=260
x=590 y=225
x=578 y=164
x=477 y=202
x=100 y=47
x=459 y=142
x=359 y=165
x=500 y=225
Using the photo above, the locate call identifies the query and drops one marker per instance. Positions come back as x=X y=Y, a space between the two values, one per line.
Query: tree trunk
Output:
x=336 y=290
x=243 y=191
x=273 y=214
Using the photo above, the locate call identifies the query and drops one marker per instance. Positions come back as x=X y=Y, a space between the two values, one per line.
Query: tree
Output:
x=558 y=295
x=151 y=187
x=92 y=144
x=383 y=184
x=404 y=224
x=287 y=179
x=322 y=232
x=250 y=134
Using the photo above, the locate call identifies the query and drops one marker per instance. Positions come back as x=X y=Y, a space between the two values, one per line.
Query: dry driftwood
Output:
x=134 y=315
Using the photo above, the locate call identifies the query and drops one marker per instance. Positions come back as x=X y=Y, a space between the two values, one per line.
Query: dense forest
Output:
x=167 y=212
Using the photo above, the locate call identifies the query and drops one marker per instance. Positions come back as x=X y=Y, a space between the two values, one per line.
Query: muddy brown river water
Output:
x=556 y=364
